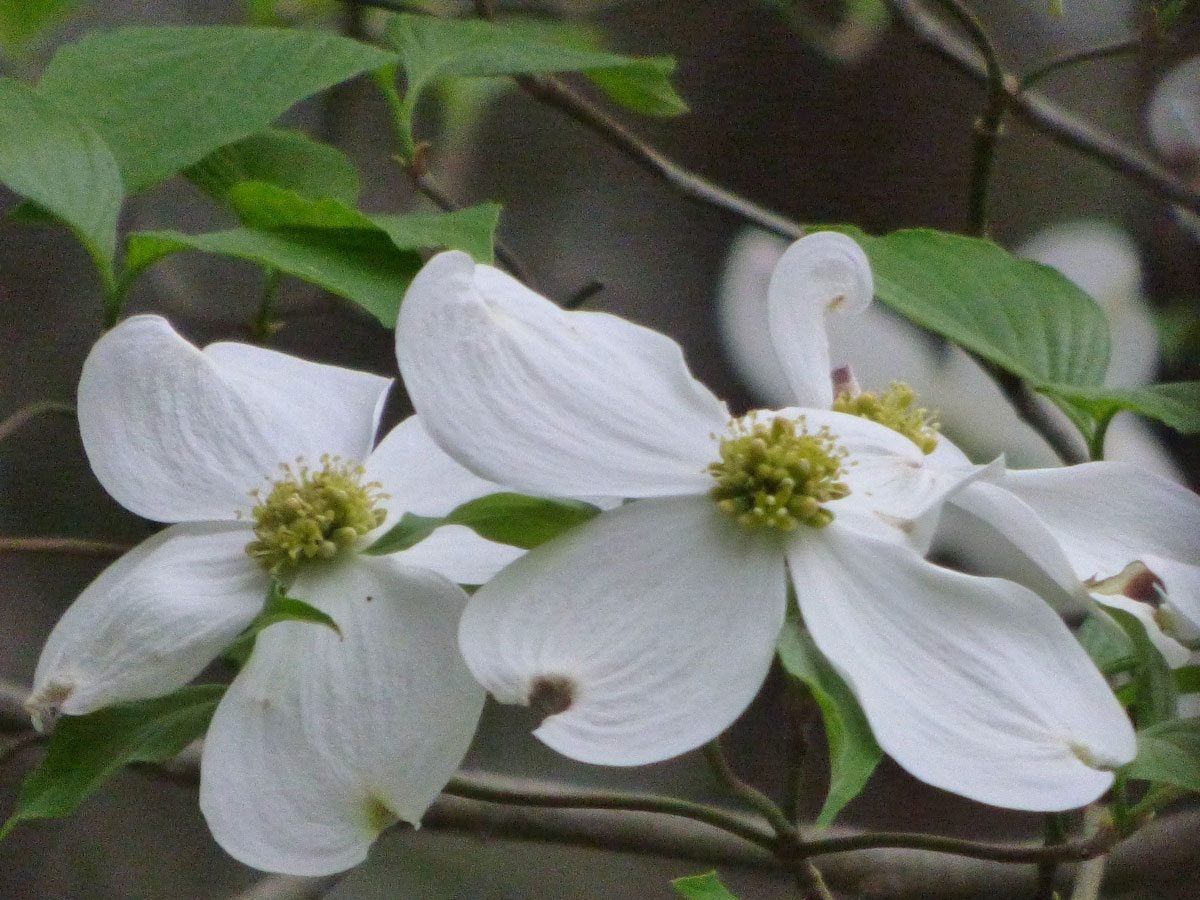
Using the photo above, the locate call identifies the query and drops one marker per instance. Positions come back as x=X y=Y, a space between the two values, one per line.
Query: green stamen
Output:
x=894 y=409
x=314 y=515
x=776 y=474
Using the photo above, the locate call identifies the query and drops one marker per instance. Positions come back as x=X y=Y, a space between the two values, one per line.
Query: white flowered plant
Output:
x=646 y=632
x=268 y=467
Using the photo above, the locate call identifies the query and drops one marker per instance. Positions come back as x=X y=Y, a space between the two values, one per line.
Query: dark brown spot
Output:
x=550 y=695
x=1135 y=581
x=370 y=599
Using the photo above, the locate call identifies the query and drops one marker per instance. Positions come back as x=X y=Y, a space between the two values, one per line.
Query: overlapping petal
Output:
x=1180 y=587
x=321 y=740
x=1105 y=515
x=654 y=625
x=176 y=434
x=973 y=685
x=547 y=401
x=819 y=275
x=152 y=620
x=1172 y=651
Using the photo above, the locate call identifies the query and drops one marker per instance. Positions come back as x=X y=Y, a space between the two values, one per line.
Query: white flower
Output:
x=1059 y=530
x=647 y=631
x=883 y=346
x=321 y=740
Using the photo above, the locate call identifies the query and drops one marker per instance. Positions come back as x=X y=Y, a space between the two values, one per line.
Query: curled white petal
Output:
x=151 y=621
x=176 y=434
x=322 y=741
x=819 y=275
x=649 y=629
x=550 y=402
x=1173 y=652
x=973 y=685
x=1180 y=591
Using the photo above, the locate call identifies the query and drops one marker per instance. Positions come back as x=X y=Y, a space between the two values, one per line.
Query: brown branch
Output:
x=1046 y=116
x=27 y=414
x=1075 y=57
x=1030 y=409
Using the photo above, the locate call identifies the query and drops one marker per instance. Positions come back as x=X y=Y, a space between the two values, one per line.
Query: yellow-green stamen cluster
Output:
x=894 y=409
x=776 y=474
x=314 y=514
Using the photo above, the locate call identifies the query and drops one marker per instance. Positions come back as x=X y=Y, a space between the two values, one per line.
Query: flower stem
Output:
x=1055 y=832
x=78 y=546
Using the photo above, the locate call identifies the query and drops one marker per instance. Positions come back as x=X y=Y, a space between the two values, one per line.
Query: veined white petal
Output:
x=176 y=434
x=973 y=685
x=1173 y=652
x=310 y=408
x=1107 y=514
x=322 y=741
x=418 y=477
x=988 y=530
x=460 y=554
x=651 y=628
x=819 y=275
x=151 y=621
x=547 y=401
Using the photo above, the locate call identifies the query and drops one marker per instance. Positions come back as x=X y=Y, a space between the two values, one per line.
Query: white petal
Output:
x=973 y=685
x=896 y=491
x=176 y=434
x=547 y=401
x=418 y=477
x=311 y=408
x=1107 y=514
x=819 y=275
x=322 y=741
x=661 y=616
x=152 y=620
x=460 y=554
x=1173 y=652
x=1180 y=588
x=990 y=531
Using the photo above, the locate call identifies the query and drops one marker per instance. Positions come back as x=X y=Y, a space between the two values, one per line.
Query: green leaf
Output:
x=519 y=520
x=1187 y=679
x=285 y=159
x=24 y=21
x=853 y=752
x=164 y=98
x=279 y=607
x=61 y=164
x=273 y=208
x=433 y=50
x=1176 y=405
x=1027 y=318
x=85 y=751
x=1107 y=644
x=702 y=887
x=1169 y=753
x=364 y=268
x=1154 y=694
x=514 y=519
x=408 y=532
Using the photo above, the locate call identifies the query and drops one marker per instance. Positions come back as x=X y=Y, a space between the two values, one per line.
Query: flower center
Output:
x=311 y=515
x=776 y=474
x=894 y=409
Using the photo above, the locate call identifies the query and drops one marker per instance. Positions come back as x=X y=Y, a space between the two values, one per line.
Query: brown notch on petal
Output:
x=549 y=695
x=45 y=706
x=1135 y=581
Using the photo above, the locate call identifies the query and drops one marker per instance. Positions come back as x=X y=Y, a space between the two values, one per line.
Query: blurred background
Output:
x=824 y=110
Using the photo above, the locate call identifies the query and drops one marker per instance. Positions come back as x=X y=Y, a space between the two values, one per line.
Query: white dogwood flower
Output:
x=1060 y=531
x=264 y=462
x=647 y=631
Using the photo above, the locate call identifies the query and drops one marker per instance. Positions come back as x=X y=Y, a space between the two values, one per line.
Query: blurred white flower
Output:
x=1173 y=115
x=321 y=740
x=882 y=346
x=647 y=631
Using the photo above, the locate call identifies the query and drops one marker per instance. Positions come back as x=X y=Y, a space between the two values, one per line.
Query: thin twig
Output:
x=1054 y=831
x=1030 y=410
x=584 y=294
x=1031 y=854
x=27 y=414
x=11 y=746
x=76 y=546
x=1075 y=57
x=1046 y=116
x=289 y=887
x=990 y=124
x=490 y=789
x=789 y=846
